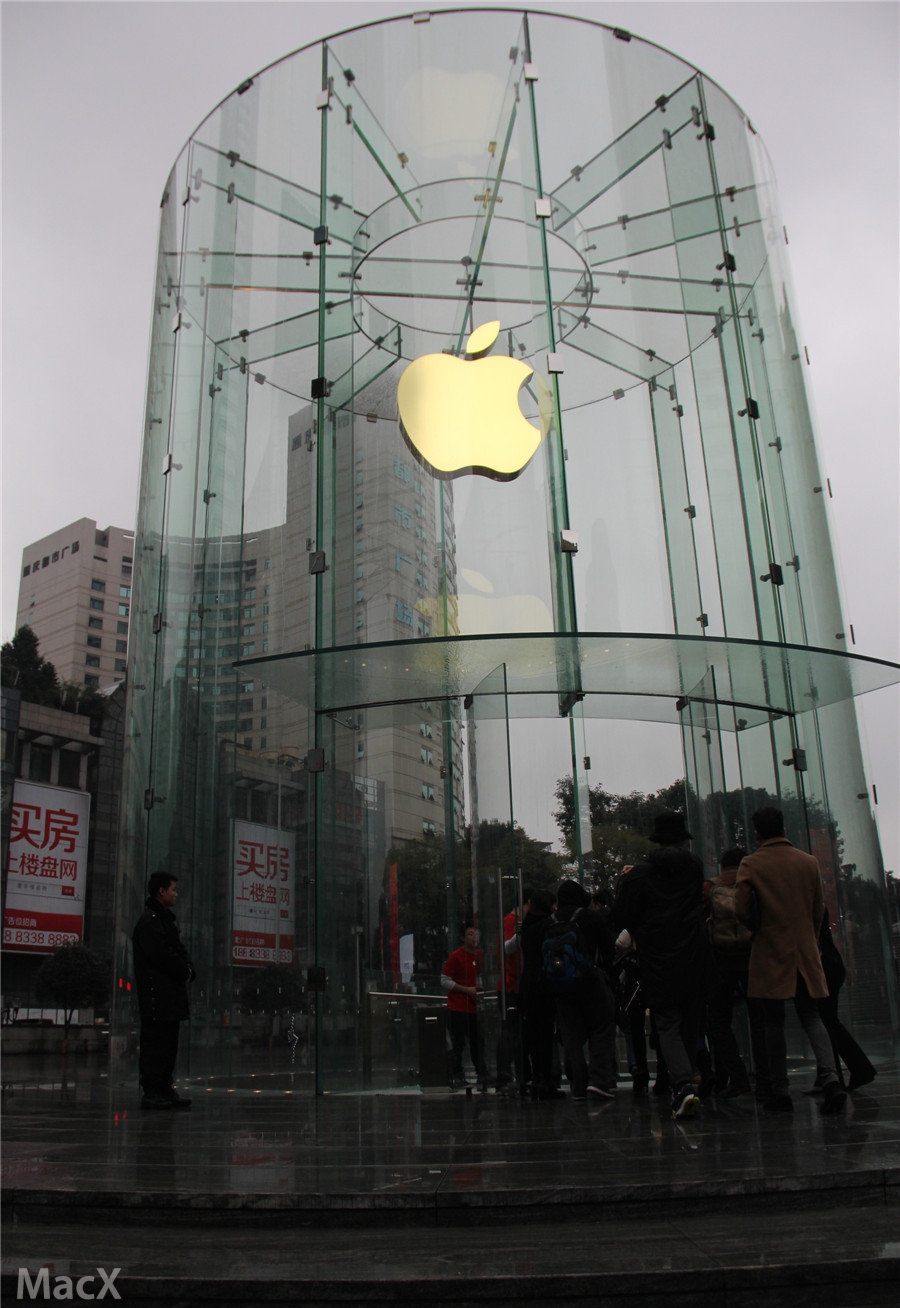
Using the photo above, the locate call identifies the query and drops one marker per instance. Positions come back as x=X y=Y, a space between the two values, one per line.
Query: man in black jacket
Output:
x=163 y=971
x=660 y=904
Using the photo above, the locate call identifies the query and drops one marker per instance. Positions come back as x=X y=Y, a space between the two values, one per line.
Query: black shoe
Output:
x=859 y=1079
x=156 y=1101
x=640 y=1081
x=835 y=1098
x=779 y=1104
x=179 y=1101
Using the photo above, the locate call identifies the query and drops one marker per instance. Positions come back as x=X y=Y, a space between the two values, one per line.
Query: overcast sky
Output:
x=99 y=98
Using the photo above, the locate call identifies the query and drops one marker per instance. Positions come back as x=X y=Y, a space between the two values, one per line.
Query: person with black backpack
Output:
x=576 y=960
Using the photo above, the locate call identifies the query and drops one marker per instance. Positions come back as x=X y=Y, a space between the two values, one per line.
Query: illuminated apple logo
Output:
x=463 y=415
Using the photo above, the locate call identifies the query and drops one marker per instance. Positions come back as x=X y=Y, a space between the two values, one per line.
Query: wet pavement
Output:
x=263 y=1193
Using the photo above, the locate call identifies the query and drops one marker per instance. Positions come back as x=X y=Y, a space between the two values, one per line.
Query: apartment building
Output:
x=75 y=592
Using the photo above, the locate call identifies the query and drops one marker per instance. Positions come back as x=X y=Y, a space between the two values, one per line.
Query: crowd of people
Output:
x=681 y=950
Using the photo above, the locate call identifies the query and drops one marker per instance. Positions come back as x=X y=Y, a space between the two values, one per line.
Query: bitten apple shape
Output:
x=463 y=415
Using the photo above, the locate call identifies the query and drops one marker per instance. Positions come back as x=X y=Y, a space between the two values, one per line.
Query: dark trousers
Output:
x=463 y=1029
x=589 y=1017
x=159 y=1048
x=508 y=1041
x=538 y=1022
x=808 y=1012
x=678 y=1028
x=842 y=1043
x=725 y=990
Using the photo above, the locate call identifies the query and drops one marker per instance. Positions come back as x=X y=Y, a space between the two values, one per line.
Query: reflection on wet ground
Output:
x=439 y=1187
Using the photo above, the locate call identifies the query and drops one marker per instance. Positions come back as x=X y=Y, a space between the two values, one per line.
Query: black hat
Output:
x=669 y=829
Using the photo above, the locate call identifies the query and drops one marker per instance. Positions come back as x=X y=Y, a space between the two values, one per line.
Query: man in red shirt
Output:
x=461 y=978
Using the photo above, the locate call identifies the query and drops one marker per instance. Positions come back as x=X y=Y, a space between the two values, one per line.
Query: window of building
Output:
x=359 y=572
x=91 y=681
x=96 y=623
x=428 y=828
x=125 y=592
x=97 y=585
x=425 y=730
x=263 y=722
x=122 y=628
x=122 y=610
x=245 y=724
x=94 y=642
x=247 y=650
x=359 y=524
x=265 y=647
x=428 y=792
x=249 y=611
x=427 y=755
x=96 y=604
x=69 y=769
x=121 y=646
x=249 y=629
x=119 y=665
x=359 y=547
x=40 y=762
x=360 y=621
x=360 y=749
x=91 y=661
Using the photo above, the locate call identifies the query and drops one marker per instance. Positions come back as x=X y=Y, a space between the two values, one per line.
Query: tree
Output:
x=89 y=701
x=620 y=825
x=72 y=977
x=21 y=665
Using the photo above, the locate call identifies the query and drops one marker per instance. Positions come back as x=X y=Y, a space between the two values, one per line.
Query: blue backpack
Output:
x=565 y=958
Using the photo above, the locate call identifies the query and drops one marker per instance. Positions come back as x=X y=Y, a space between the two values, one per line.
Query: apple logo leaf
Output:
x=482 y=338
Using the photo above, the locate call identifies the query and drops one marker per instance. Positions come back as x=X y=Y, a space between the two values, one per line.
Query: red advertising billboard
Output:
x=48 y=844
x=263 y=904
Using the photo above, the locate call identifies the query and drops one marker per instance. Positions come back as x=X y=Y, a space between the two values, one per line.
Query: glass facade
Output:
x=375 y=622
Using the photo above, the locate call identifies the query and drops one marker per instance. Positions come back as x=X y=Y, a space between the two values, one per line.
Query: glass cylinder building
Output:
x=477 y=451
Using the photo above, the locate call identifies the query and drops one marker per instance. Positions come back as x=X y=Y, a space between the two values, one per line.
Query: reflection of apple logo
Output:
x=463 y=415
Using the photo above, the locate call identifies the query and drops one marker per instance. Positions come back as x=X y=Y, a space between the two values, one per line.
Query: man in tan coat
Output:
x=779 y=894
